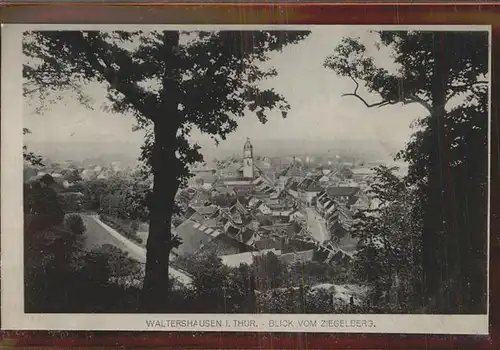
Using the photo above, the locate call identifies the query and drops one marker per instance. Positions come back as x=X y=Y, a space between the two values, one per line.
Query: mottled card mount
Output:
x=293 y=199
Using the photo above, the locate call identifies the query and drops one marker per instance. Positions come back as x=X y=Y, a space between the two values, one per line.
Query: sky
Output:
x=319 y=112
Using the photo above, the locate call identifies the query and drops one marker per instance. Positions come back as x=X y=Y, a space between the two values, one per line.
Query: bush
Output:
x=74 y=223
x=123 y=227
x=61 y=278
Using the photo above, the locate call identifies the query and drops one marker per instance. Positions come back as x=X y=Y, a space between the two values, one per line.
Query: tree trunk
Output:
x=166 y=169
x=159 y=243
x=435 y=240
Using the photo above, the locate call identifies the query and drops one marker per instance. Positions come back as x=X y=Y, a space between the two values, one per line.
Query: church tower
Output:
x=248 y=160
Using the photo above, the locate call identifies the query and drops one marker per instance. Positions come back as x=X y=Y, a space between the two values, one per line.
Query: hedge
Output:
x=122 y=227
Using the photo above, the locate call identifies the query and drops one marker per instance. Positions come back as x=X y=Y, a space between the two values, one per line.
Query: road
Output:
x=317 y=225
x=98 y=234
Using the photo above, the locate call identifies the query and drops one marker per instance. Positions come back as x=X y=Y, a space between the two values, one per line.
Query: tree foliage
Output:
x=60 y=275
x=215 y=76
x=172 y=82
x=389 y=258
x=31 y=158
x=446 y=73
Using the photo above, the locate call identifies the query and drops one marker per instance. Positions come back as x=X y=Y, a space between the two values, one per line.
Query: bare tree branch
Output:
x=456 y=89
x=479 y=82
x=27 y=92
x=404 y=100
x=368 y=105
x=415 y=99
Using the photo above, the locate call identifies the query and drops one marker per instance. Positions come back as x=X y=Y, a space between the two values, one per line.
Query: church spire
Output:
x=248 y=170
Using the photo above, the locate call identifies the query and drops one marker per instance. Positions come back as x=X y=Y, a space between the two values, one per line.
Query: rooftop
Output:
x=206 y=210
x=336 y=191
x=194 y=235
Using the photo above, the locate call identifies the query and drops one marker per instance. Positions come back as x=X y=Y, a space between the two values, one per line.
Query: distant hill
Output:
x=350 y=149
x=102 y=153
x=98 y=153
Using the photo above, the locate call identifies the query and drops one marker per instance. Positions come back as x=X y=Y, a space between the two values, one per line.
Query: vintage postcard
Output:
x=245 y=178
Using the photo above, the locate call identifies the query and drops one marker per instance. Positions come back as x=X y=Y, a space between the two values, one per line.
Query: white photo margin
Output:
x=12 y=294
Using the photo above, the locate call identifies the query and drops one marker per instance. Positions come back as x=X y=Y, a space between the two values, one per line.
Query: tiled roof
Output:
x=246 y=235
x=243 y=200
x=296 y=245
x=207 y=177
x=269 y=243
x=309 y=185
x=241 y=208
x=292 y=171
x=264 y=219
x=352 y=200
x=206 y=210
x=194 y=235
x=292 y=258
x=293 y=186
x=342 y=191
x=232 y=230
x=224 y=189
x=197 y=217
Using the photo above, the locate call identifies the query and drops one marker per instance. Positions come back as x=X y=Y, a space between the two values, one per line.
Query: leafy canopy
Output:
x=465 y=53
x=184 y=80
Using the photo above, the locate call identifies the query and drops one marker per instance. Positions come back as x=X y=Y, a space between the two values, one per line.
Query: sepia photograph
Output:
x=266 y=171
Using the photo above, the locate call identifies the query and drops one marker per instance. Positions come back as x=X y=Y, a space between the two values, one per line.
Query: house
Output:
x=235 y=260
x=239 y=207
x=297 y=257
x=249 y=236
x=246 y=236
x=341 y=194
x=230 y=170
x=266 y=189
x=264 y=220
x=292 y=187
x=253 y=225
x=359 y=202
x=262 y=180
x=207 y=211
x=263 y=208
x=269 y=243
x=203 y=179
x=293 y=171
x=208 y=222
x=298 y=245
x=324 y=204
x=339 y=222
x=254 y=202
x=198 y=197
x=359 y=174
x=218 y=189
x=242 y=191
x=330 y=177
x=298 y=215
x=276 y=229
x=196 y=237
x=236 y=217
x=308 y=189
